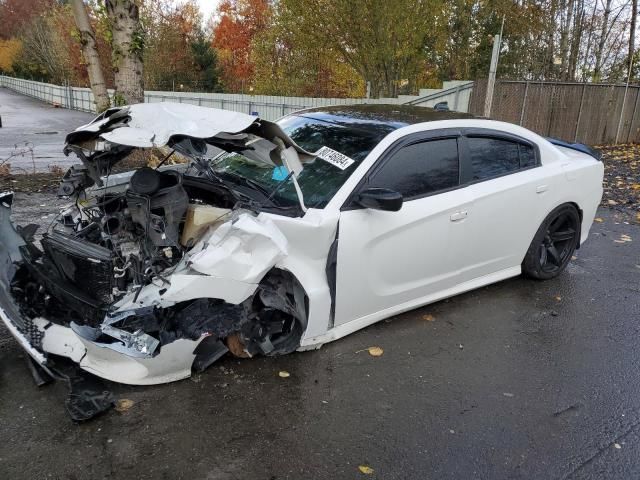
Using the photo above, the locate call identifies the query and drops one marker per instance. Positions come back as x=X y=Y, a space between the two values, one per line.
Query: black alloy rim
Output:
x=558 y=242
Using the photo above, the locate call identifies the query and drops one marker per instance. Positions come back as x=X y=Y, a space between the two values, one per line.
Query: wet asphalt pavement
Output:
x=522 y=379
x=33 y=132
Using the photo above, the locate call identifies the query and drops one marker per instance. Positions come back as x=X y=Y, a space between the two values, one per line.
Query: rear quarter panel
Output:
x=582 y=175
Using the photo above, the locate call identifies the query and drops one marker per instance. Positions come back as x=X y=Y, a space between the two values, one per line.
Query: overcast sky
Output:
x=207 y=7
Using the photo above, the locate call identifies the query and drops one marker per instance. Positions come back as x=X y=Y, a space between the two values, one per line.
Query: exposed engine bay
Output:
x=152 y=273
x=109 y=246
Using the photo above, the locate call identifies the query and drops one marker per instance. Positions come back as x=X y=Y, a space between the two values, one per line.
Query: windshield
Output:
x=319 y=180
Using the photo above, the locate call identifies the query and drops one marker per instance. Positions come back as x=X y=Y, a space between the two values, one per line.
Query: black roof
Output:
x=390 y=115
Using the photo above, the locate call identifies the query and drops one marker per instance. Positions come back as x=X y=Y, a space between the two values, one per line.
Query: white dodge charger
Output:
x=275 y=237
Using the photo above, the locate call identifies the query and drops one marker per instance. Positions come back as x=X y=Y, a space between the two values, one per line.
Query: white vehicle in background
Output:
x=281 y=236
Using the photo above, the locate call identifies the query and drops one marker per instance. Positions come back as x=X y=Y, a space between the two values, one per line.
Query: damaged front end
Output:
x=152 y=274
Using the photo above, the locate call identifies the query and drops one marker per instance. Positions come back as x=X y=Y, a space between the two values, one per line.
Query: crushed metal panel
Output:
x=153 y=124
x=242 y=250
x=189 y=287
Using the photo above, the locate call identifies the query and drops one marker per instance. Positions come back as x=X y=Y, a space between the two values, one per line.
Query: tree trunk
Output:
x=632 y=32
x=127 y=49
x=90 y=53
x=601 y=43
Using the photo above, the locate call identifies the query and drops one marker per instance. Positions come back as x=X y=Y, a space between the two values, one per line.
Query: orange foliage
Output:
x=240 y=21
x=15 y=14
x=9 y=51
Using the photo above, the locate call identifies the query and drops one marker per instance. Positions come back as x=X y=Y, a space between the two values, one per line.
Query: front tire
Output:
x=553 y=244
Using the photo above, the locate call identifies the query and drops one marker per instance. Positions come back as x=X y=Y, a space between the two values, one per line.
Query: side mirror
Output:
x=380 y=199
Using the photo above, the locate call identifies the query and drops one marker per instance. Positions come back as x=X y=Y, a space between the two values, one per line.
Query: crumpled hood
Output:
x=148 y=125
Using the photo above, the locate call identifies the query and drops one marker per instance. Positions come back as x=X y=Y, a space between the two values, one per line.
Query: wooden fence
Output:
x=576 y=112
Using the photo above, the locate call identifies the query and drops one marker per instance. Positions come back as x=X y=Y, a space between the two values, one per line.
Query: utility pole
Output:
x=488 y=99
x=632 y=40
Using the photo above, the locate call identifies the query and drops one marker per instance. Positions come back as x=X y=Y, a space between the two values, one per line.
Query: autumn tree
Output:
x=178 y=53
x=9 y=52
x=284 y=65
x=240 y=21
x=15 y=15
x=383 y=41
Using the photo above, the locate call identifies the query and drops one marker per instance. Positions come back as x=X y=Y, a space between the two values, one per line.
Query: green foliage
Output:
x=137 y=42
x=119 y=100
x=206 y=62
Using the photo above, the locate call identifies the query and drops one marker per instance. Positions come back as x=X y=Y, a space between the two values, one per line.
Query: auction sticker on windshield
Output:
x=335 y=158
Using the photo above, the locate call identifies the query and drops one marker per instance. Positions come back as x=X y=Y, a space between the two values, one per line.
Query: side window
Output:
x=493 y=157
x=420 y=169
x=527 y=156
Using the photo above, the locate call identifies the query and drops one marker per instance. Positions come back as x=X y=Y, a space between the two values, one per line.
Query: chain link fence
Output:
x=592 y=113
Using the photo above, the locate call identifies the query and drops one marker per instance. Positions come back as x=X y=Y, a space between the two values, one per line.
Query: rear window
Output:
x=494 y=157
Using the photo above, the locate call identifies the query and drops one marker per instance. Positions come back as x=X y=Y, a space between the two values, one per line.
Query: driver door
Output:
x=391 y=261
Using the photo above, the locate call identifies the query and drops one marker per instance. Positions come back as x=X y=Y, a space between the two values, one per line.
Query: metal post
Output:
x=624 y=99
x=633 y=115
x=524 y=103
x=553 y=96
x=456 y=98
x=488 y=99
x=584 y=88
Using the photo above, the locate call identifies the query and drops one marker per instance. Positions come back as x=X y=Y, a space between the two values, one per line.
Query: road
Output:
x=33 y=132
x=522 y=379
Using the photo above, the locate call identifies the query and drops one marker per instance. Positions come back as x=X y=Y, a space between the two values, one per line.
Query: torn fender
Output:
x=243 y=250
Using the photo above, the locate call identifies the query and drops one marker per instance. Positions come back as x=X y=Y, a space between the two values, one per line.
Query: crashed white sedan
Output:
x=281 y=236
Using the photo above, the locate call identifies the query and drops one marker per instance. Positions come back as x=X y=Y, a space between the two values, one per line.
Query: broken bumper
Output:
x=172 y=363
x=41 y=338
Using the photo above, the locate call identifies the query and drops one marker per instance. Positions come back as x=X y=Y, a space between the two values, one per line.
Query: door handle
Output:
x=457 y=216
x=541 y=188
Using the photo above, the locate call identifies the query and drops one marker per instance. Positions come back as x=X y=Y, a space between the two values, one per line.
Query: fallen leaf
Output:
x=558 y=298
x=428 y=317
x=598 y=219
x=375 y=351
x=284 y=374
x=366 y=469
x=123 y=405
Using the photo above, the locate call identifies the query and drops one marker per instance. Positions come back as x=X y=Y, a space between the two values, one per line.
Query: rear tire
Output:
x=553 y=244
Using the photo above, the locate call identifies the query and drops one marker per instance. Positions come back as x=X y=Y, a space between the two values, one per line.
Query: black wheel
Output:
x=553 y=244
x=272 y=333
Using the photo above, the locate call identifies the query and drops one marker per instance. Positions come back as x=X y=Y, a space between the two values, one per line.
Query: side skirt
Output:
x=349 y=327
